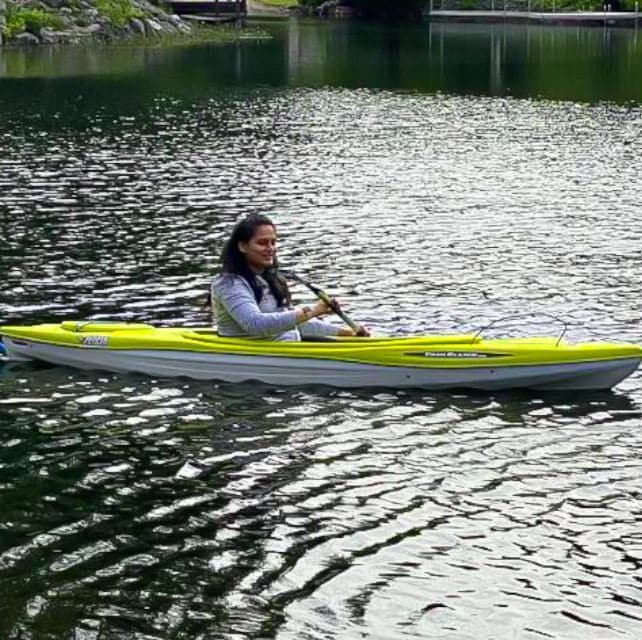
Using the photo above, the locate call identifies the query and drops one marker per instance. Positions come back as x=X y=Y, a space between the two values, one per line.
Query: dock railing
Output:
x=527 y=6
x=231 y=8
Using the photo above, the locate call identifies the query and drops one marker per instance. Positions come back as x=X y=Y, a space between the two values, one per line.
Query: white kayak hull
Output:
x=601 y=374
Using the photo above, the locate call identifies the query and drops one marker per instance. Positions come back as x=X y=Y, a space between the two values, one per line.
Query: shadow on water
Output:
x=252 y=397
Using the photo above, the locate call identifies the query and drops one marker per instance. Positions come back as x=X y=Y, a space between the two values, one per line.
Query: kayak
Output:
x=429 y=362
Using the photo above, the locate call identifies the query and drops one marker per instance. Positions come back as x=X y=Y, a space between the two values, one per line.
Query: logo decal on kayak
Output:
x=94 y=341
x=467 y=355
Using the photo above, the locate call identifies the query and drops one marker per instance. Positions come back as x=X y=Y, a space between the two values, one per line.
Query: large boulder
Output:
x=48 y=36
x=77 y=20
x=91 y=30
x=26 y=39
x=152 y=27
x=148 y=8
x=328 y=7
x=137 y=26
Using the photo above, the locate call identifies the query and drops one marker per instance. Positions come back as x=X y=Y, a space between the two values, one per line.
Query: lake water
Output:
x=435 y=178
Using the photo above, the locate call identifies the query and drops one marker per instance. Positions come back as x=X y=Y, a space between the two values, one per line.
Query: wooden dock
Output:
x=586 y=18
x=213 y=10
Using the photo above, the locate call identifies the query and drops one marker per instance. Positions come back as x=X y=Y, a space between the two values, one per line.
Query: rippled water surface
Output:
x=433 y=188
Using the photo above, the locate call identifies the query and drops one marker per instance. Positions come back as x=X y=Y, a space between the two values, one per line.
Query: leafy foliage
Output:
x=119 y=12
x=20 y=19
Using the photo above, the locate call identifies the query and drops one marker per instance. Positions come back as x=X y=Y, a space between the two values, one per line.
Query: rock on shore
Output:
x=32 y=22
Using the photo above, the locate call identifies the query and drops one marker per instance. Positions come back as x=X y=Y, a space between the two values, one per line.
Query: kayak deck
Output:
x=434 y=362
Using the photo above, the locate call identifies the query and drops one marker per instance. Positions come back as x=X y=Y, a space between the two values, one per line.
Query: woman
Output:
x=250 y=298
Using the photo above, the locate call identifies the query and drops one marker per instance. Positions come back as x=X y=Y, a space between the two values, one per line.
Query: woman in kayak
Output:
x=251 y=298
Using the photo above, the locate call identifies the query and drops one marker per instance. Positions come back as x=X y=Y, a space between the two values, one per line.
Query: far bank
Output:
x=56 y=22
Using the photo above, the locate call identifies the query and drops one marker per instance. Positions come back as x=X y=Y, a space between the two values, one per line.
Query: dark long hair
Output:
x=234 y=261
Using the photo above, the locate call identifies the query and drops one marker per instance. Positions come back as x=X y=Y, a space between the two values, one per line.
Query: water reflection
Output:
x=142 y=508
x=569 y=63
x=195 y=508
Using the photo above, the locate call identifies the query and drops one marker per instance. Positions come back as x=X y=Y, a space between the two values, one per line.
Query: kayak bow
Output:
x=431 y=362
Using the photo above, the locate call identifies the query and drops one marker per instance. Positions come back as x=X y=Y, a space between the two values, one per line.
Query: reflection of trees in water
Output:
x=523 y=60
x=62 y=62
x=527 y=60
x=389 y=9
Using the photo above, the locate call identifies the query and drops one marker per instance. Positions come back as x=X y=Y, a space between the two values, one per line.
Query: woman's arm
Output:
x=237 y=297
x=314 y=328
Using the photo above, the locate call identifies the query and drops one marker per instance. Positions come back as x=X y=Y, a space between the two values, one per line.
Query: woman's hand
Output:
x=347 y=332
x=321 y=309
x=307 y=313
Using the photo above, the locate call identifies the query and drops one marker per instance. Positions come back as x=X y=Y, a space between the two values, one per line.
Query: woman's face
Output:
x=261 y=248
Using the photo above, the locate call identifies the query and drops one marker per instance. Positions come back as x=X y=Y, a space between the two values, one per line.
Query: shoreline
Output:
x=126 y=22
x=34 y=23
x=199 y=34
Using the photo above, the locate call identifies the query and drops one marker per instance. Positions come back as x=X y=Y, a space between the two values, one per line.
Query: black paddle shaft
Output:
x=325 y=298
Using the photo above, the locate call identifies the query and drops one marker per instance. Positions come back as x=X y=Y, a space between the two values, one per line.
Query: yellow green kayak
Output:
x=430 y=362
